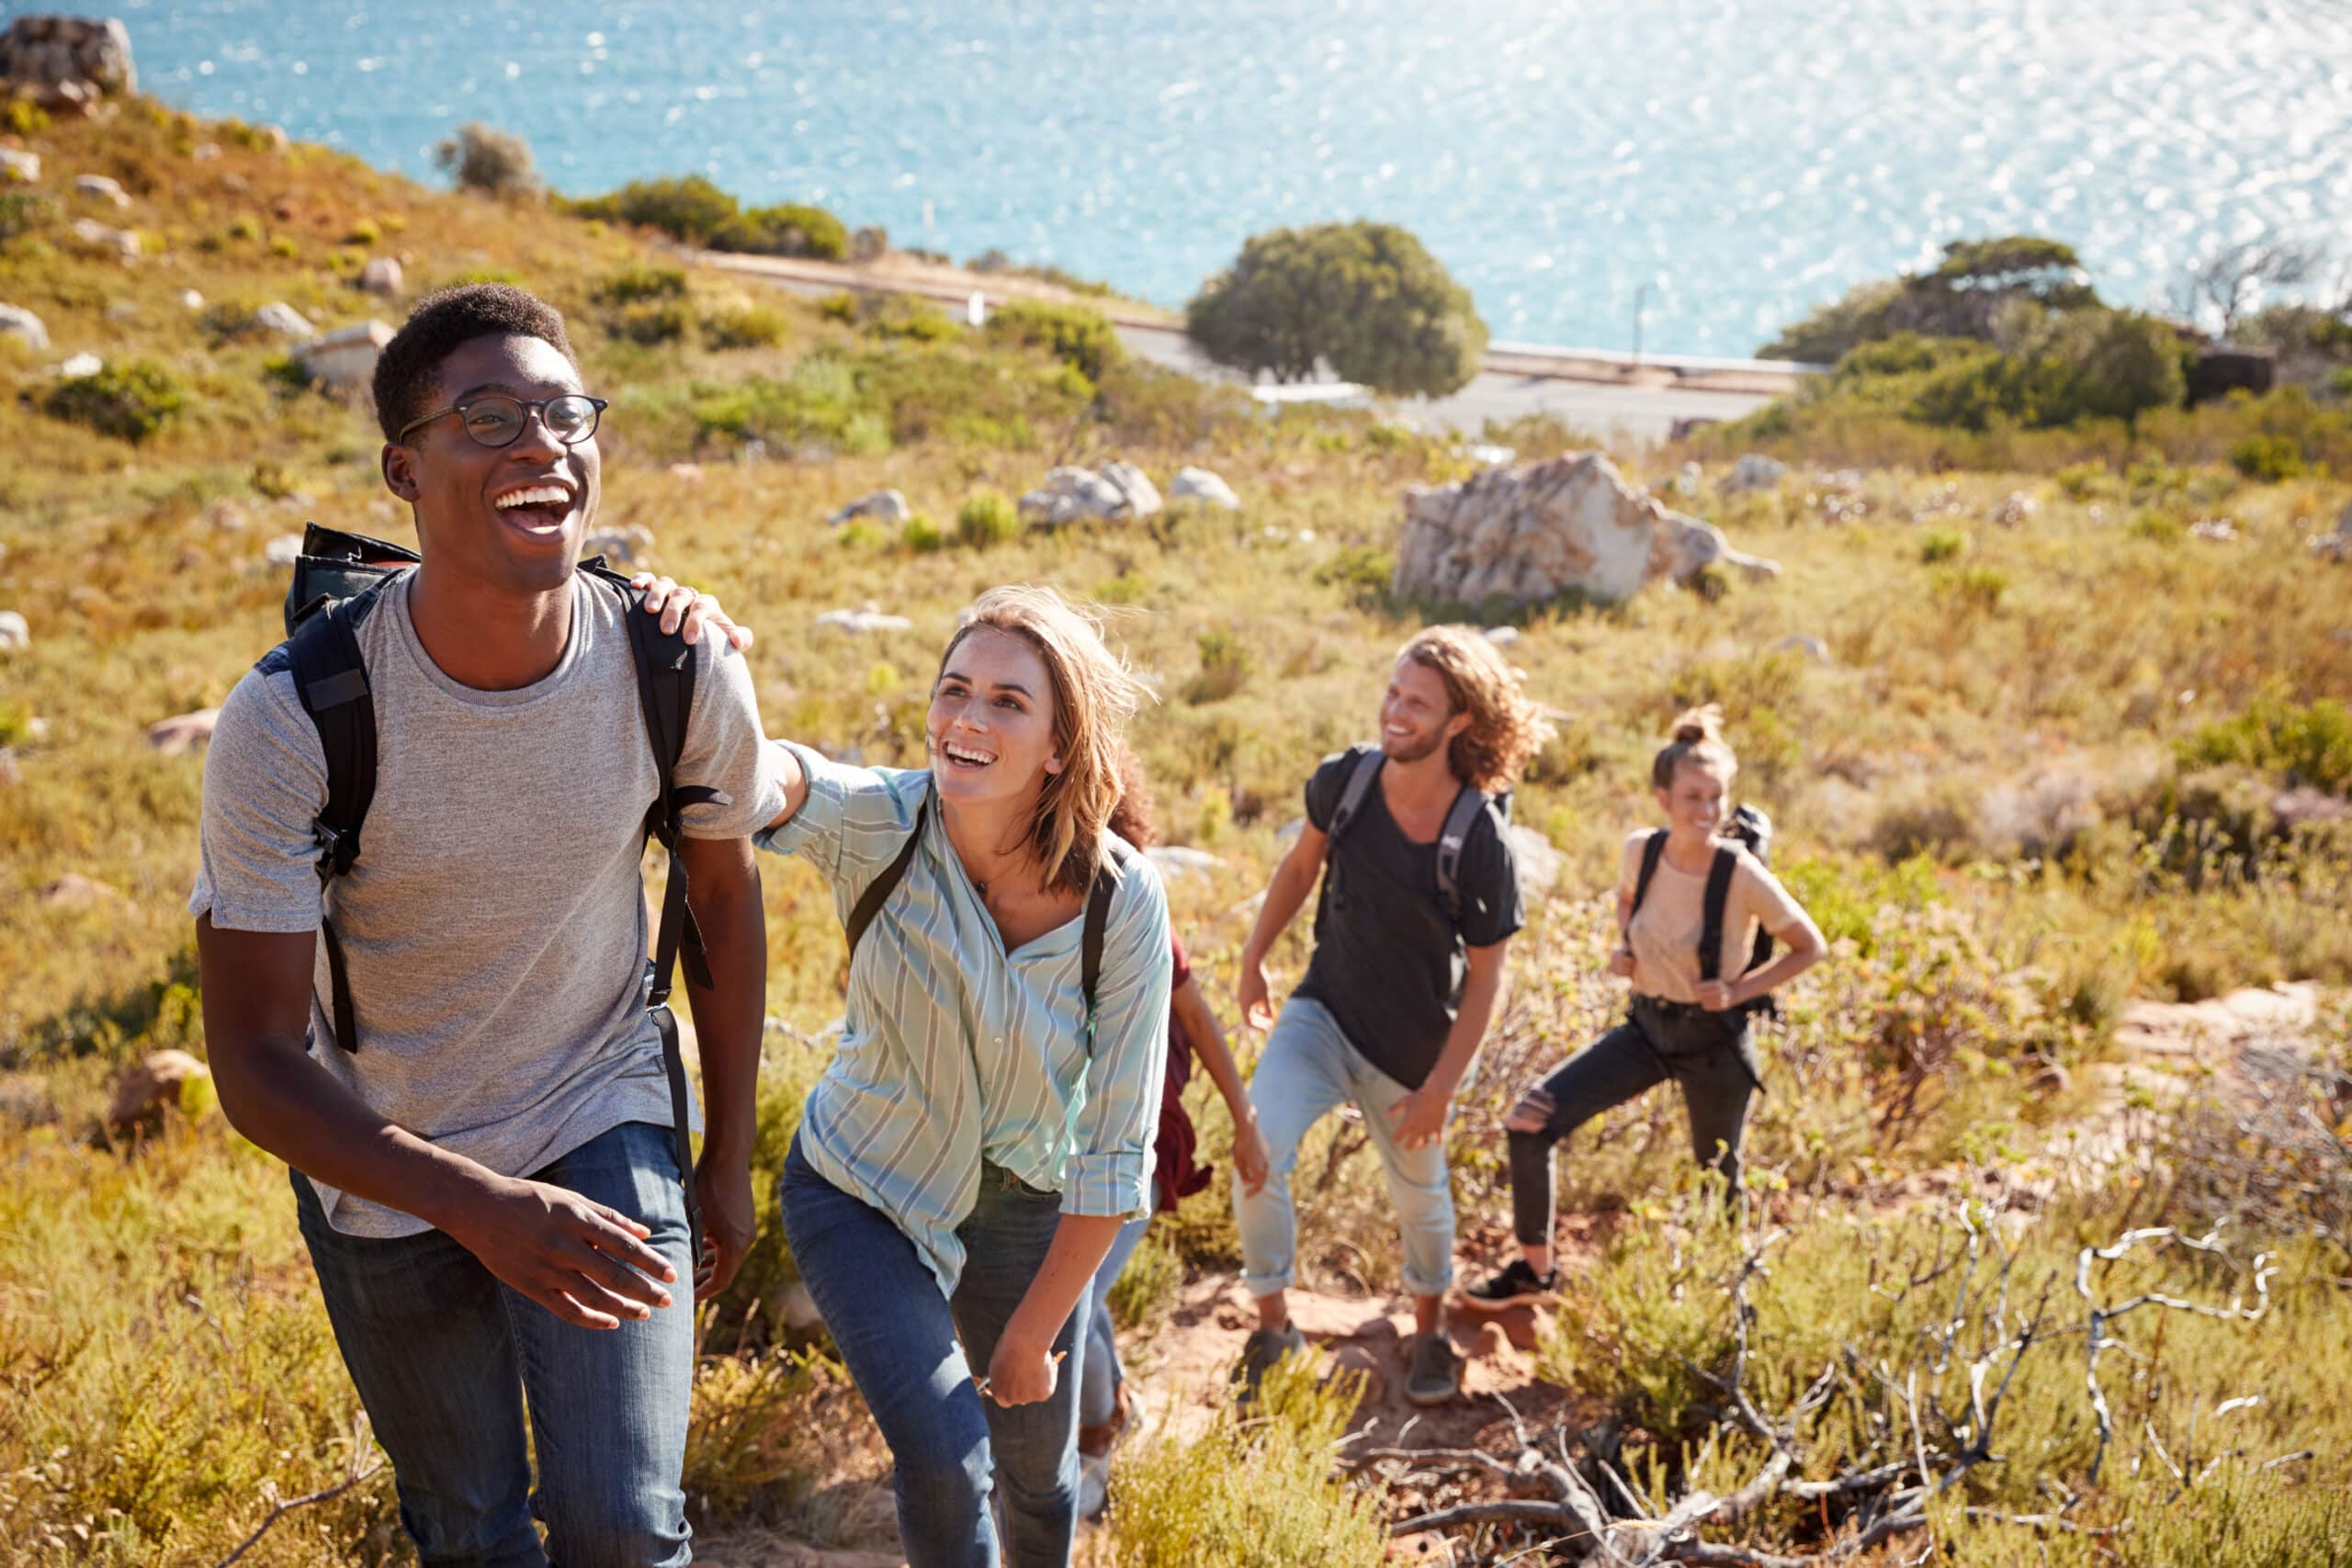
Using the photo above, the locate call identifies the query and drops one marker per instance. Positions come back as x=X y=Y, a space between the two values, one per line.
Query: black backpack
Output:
x=1090 y=937
x=337 y=581
x=1451 y=838
x=1753 y=829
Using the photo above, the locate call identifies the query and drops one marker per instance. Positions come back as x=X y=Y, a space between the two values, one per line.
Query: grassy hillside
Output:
x=2059 y=739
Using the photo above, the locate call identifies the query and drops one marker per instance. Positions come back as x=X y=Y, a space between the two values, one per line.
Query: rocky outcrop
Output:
x=102 y=187
x=344 y=360
x=18 y=323
x=100 y=236
x=284 y=320
x=628 y=545
x=1572 y=524
x=1117 y=493
x=382 y=276
x=869 y=617
x=67 y=63
x=882 y=505
x=1754 y=471
x=1202 y=487
x=19 y=165
x=14 y=630
x=183 y=732
x=164 y=1080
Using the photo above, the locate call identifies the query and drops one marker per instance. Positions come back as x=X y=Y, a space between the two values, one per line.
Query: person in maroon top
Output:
x=1192 y=1032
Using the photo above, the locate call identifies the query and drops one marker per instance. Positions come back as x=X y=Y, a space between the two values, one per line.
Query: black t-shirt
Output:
x=1389 y=961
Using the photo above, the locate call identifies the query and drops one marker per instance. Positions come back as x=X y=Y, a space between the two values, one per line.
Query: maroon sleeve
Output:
x=1184 y=965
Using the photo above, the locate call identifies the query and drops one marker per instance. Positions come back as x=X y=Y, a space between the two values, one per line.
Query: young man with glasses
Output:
x=487 y=1180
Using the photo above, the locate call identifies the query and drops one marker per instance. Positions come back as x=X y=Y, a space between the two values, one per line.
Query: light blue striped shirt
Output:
x=954 y=1052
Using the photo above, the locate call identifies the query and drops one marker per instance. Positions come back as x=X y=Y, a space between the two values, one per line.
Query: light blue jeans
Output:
x=1308 y=1070
x=448 y=1358
x=1098 y=1387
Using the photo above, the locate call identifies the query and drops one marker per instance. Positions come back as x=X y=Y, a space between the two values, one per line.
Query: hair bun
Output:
x=1698 y=725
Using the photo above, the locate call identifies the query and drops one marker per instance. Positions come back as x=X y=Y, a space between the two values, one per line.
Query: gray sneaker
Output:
x=1434 y=1376
x=1262 y=1350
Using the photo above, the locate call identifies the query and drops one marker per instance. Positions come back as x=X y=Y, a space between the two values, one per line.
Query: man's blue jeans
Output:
x=1098 y=1386
x=448 y=1361
x=911 y=1354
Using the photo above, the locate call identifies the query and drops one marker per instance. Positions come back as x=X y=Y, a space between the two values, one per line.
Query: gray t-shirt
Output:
x=494 y=925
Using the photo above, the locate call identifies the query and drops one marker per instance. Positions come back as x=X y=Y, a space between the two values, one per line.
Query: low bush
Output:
x=131 y=402
x=986 y=518
x=745 y=325
x=638 y=282
x=1074 y=335
x=494 y=162
x=788 y=229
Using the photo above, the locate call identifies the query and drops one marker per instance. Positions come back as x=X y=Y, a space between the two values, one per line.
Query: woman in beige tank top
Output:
x=1681 y=1026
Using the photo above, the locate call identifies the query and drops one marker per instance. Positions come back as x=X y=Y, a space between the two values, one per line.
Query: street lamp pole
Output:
x=1640 y=290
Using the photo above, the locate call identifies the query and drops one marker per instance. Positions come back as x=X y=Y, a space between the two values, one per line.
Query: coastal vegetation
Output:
x=2052 y=719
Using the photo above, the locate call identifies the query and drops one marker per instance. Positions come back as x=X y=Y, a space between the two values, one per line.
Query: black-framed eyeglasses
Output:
x=496 y=420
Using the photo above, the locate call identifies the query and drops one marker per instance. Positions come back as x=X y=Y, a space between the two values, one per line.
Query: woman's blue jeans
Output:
x=912 y=1356
x=448 y=1360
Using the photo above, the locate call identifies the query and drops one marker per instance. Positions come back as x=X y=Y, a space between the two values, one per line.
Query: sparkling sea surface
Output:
x=1726 y=163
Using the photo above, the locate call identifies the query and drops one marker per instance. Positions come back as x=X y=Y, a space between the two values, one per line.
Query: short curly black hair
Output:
x=408 y=372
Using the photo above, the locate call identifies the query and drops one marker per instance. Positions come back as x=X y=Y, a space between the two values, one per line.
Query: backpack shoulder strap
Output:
x=878 y=892
x=1651 y=849
x=330 y=679
x=1451 y=840
x=1359 y=782
x=1710 y=932
x=1096 y=929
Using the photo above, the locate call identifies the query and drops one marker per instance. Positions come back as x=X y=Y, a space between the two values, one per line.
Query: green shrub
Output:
x=1074 y=335
x=1225 y=663
x=745 y=325
x=690 y=209
x=495 y=162
x=1975 y=590
x=652 y=321
x=986 y=518
x=637 y=282
x=2339 y=380
x=363 y=233
x=2158 y=528
x=788 y=229
x=896 y=318
x=245 y=228
x=23 y=211
x=22 y=117
x=2268 y=460
x=284 y=248
x=923 y=536
x=2308 y=745
x=1147 y=1287
x=841 y=307
x=1252 y=1492
x=131 y=402
x=1942 y=544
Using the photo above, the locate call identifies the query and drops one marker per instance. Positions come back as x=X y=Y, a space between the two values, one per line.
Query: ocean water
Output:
x=1717 y=165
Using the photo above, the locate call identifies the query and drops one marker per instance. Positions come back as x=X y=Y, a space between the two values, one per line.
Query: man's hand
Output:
x=585 y=1262
x=1022 y=1372
x=1717 y=997
x=1257 y=1008
x=681 y=608
x=1251 y=1159
x=1421 y=1115
x=723 y=1188
x=1621 y=963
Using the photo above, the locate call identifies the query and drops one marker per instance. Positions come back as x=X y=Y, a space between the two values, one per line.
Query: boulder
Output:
x=868 y=618
x=284 y=320
x=1502 y=637
x=16 y=164
x=183 y=732
x=882 y=505
x=1538 y=864
x=2338 y=544
x=1118 y=491
x=98 y=236
x=344 y=360
x=1812 y=648
x=1205 y=488
x=66 y=61
x=191 y=301
x=625 y=546
x=2016 y=508
x=18 y=323
x=102 y=187
x=14 y=632
x=1486 y=455
x=79 y=365
x=686 y=473
x=382 y=276
x=797 y=1308
x=1754 y=471
x=162 y=1080
x=1521 y=535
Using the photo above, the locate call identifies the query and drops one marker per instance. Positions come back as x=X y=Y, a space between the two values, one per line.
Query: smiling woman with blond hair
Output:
x=966 y=1161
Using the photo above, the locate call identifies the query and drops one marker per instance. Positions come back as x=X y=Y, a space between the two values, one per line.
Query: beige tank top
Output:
x=1665 y=930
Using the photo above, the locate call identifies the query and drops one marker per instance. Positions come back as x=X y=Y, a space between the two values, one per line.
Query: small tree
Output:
x=1365 y=298
x=495 y=162
x=2231 y=281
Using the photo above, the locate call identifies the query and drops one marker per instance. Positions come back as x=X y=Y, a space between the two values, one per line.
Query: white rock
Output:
x=1118 y=491
x=284 y=320
x=1502 y=637
x=798 y=1308
x=2016 y=507
x=20 y=166
x=18 y=323
x=99 y=237
x=191 y=301
x=1537 y=863
x=1202 y=486
x=1521 y=535
x=686 y=473
x=345 y=358
x=81 y=365
x=1754 y=471
x=620 y=546
x=283 y=550
x=14 y=632
x=868 y=619
x=183 y=732
x=882 y=505
x=1183 y=860
x=1489 y=455
x=1142 y=496
x=383 y=274
x=122 y=311
x=1687 y=480
x=1812 y=648
x=103 y=186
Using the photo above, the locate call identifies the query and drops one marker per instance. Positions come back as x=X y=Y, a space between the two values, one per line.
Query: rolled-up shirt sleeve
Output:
x=1110 y=1171
x=854 y=823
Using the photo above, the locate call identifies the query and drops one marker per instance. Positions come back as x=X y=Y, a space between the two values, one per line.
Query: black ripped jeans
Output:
x=1708 y=1054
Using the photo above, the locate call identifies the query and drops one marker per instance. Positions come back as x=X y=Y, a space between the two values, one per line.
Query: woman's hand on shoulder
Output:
x=686 y=612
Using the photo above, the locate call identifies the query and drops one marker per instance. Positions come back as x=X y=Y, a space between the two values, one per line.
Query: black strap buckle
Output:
x=338 y=848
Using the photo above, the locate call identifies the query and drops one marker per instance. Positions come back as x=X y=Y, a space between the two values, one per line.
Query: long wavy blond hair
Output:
x=1094 y=696
x=1506 y=729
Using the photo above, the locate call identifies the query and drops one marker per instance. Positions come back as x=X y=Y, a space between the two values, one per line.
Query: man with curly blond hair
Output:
x=1420 y=896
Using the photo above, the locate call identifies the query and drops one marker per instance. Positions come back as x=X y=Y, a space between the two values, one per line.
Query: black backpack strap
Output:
x=1093 y=933
x=330 y=679
x=1651 y=851
x=1710 y=930
x=665 y=690
x=1451 y=840
x=878 y=892
x=1360 y=783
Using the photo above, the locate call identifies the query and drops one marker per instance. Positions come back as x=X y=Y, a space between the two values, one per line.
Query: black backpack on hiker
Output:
x=1754 y=829
x=1451 y=838
x=337 y=580
x=1090 y=938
